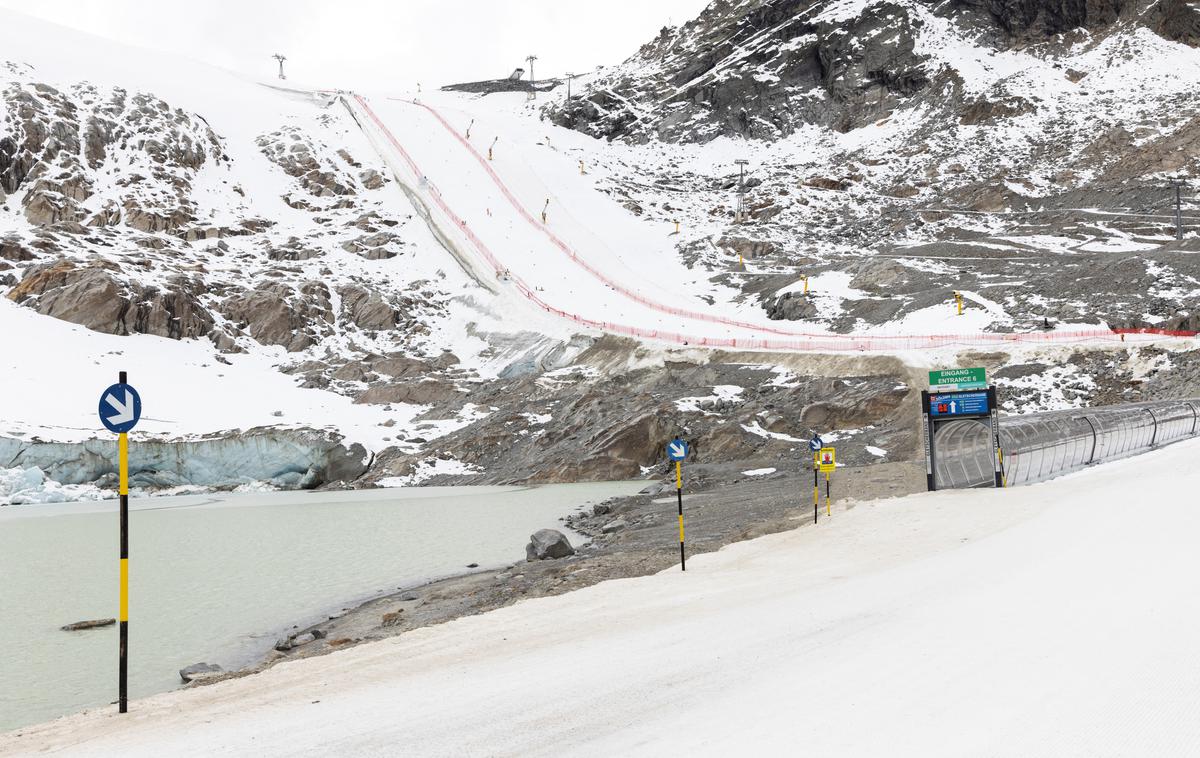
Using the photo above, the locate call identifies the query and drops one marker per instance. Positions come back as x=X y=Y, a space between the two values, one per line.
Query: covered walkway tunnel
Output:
x=1039 y=446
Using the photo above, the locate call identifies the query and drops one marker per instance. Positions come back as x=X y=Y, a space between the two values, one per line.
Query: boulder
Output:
x=342 y=464
x=199 y=672
x=11 y=249
x=276 y=314
x=371 y=179
x=790 y=306
x=367 y=309
x=614 y=526
x=548 y=544
x=657 y=488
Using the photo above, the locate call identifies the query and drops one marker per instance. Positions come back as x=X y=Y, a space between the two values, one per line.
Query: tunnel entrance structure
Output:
x=1037 y=446
x=961 y=436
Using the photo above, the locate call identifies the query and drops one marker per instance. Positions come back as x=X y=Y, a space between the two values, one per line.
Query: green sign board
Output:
x=958 y=379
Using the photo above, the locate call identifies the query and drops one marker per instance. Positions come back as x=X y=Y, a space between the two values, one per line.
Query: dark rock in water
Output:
x=199 y=671
x=472 y=565
x=548 y=543
x=78 y=625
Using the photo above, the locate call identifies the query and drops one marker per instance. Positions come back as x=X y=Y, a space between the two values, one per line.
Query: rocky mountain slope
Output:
x=764 y=68
x=901 y=150
x=254 y=257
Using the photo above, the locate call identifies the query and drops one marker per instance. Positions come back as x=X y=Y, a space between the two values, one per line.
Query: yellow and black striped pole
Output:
x=123 y=616
x=816 y=490
x=679 y=496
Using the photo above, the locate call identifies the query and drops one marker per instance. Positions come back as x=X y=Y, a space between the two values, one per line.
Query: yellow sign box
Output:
x=827 y=459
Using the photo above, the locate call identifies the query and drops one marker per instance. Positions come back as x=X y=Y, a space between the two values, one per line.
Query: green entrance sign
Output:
x=953 y=379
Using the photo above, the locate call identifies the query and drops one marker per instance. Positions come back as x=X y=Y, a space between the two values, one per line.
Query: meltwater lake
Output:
x=218 y=578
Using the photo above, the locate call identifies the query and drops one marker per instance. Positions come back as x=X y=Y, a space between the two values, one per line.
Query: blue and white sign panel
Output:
x=120 y=408
x=677 y=450
x=816 y=443
x=959 y=404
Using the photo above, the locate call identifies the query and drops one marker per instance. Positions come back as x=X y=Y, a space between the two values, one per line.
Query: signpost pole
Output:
x=679 y=497
x=123 y=615
x=827 y=511
x=677 y=451
x=815 y=445
x=927 y=438
x=120 y=408
x=816 y=489
x=994 y=419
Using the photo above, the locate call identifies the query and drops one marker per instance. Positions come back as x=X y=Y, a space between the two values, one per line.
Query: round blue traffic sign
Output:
x=816 y=443
x=677 y=449
x=120 y=408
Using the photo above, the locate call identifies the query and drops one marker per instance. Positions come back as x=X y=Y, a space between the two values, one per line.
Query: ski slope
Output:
x=588 y=260
x=1055 y=619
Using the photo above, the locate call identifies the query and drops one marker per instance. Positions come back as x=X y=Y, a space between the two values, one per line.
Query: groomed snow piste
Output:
x=1056 y=619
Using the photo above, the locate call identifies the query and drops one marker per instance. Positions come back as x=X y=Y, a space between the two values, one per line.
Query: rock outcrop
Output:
x=277 y=313
x=96 y=296
x=55 y=148
x=764 y=68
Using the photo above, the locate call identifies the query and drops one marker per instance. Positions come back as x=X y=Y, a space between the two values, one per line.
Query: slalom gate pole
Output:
x=827 y=512
x=123 y=615
x=679 y=496
x=816 y=489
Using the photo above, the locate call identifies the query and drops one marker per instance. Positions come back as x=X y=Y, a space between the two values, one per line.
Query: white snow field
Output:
x=1057 y=619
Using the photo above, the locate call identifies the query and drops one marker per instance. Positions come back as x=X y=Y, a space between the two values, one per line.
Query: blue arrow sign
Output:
x=816 y=443
x=677 y=449
x=120 y=408
x=959 y=404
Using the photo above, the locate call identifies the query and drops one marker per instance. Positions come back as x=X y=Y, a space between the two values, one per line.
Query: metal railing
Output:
x=1040 y=446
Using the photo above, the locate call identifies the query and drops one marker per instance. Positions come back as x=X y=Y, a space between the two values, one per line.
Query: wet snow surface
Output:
x=1042 y=620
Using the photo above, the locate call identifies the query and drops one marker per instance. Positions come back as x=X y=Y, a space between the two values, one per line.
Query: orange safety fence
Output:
x=800 y=341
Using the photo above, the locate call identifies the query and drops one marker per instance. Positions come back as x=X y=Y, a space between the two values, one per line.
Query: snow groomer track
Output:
x=621 y=289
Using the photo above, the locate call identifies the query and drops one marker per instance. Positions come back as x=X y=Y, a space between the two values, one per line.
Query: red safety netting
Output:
x=798 y=340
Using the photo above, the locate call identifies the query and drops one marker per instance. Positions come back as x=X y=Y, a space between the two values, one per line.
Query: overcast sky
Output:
x=378 y=44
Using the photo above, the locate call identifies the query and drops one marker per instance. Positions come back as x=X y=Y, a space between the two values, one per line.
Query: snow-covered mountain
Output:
x=1019 y=152
x=466 y=287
